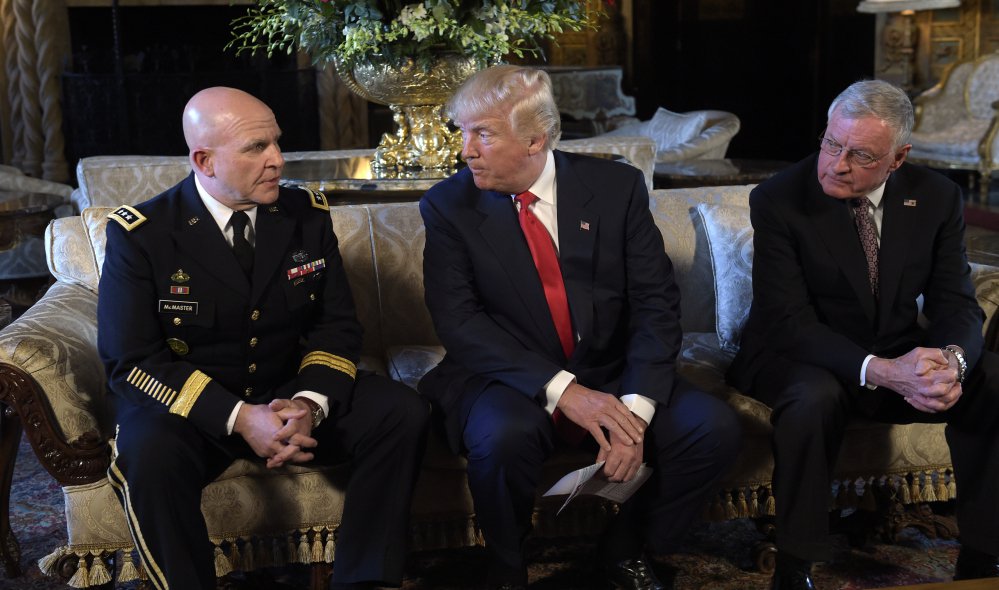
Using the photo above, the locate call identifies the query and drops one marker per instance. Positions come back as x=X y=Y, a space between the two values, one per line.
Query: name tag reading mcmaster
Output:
x=169 y=306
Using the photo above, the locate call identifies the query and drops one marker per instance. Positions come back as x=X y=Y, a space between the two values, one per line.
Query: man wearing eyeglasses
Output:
x=849 y=243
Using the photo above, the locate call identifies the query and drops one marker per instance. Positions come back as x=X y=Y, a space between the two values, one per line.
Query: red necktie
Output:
x=868 y=238
x=545 y=260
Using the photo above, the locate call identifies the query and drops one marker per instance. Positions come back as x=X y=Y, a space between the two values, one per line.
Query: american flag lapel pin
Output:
x=584 y=225
x=909 y=202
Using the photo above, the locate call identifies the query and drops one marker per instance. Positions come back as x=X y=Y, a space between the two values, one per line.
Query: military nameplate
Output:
x=183 y=307
x=178 y=346
x=127 y=217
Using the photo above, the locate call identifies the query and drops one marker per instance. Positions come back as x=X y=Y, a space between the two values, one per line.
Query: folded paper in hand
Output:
x=588 y=480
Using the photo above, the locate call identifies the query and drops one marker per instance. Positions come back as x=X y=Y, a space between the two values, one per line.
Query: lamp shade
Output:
x=874 y=6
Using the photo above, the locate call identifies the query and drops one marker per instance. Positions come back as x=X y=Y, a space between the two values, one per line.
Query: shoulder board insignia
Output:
x=127 y=217
x=317 y=199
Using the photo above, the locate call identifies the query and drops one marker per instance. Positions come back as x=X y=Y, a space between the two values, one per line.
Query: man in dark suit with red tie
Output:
x=227 y=329
x=863 y=305
x=550 y=289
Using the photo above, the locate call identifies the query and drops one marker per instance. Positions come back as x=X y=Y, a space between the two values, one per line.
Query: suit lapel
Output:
x=833 y=223
x=274 y=231
x=197 y=234
x=577 y=234
x=898 y=229
x=501 y=231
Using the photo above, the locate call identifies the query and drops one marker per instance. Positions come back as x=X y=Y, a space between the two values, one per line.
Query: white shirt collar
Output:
x=544 y=187
x=877 y=194
x=220 y=213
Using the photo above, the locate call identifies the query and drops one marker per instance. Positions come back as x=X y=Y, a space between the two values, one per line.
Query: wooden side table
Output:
x=23 y=219
x=693 y=173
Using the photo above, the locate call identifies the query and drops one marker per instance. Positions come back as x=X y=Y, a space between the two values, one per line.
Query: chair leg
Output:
x=320 y=578
x=984 y=179
x=10 y=436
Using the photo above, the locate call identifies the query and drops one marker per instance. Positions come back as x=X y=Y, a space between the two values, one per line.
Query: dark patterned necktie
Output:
x=539 y=241
x=240 y=247
x=868 y=238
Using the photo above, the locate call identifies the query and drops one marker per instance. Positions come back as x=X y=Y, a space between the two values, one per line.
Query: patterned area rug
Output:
x=718 y=556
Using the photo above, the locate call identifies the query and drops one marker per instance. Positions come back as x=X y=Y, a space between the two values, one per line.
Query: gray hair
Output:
x=879 y=99
x=526 y=92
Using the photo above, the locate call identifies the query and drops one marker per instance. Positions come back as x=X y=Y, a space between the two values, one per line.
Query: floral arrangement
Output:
x=351 y=30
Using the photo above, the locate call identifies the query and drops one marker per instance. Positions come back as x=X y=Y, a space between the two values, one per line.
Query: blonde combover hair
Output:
x=525 y=92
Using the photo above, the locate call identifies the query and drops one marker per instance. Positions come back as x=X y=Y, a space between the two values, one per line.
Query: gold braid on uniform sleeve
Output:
x=189 y=393
x=329 y=360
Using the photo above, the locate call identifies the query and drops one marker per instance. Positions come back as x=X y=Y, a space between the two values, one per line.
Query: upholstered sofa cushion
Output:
x=730 y=241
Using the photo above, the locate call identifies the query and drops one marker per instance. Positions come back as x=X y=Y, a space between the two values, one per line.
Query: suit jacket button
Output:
x=176 y=321
x=255 y=315
x=253 y=367
x=312 y=296
x=248 y=392
x=253 y=342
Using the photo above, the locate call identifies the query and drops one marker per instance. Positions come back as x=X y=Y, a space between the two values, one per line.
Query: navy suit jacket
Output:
x=812 y=301
x=173 y=278
x=489 y=308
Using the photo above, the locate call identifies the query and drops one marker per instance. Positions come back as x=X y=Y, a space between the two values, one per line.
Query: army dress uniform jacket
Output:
x=181 y=330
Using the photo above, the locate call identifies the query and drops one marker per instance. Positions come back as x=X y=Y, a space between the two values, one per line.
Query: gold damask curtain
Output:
x=34 y=48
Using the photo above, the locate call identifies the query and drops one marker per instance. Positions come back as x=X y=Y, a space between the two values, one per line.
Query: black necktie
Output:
x=240 y=247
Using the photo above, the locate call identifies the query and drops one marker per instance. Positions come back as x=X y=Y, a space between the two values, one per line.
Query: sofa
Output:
x=52 y=384
x=957 y=121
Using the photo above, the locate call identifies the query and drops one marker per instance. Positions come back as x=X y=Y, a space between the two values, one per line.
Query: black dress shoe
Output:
x=973 y=564
x=634 y=574
x=792 y=574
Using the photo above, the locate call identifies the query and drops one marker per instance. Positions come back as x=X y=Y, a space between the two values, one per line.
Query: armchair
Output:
x=956 y=121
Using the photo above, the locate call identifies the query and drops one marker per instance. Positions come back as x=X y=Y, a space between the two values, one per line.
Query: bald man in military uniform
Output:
x=228 y=331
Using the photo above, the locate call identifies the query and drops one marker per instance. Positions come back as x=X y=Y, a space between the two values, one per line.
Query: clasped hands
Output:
x=925 y=377
x=596 y=411
x=280 y=431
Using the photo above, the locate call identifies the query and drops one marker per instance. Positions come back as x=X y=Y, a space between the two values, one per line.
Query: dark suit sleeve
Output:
x=468 y=332
x=139 y=364
x=332 y=343
x=654 y=333
x=780 y=294
x=949 y=298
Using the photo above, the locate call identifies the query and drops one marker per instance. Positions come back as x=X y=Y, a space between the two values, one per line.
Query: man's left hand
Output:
x=622 y=461
x=296 y=434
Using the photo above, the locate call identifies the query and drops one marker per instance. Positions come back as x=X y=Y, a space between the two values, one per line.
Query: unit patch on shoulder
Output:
x=127 y=217
x=317 y=199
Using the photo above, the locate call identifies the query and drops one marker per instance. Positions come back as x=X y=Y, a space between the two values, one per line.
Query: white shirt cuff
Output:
x=641 y=406
x=319 y=398
x=231 y=422
x=555 y=388
x=863 y=373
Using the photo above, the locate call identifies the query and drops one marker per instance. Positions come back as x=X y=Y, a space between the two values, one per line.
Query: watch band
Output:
x=962 y=365
x=315 y=410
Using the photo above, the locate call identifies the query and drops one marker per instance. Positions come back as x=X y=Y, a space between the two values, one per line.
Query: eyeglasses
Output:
x=855 y=157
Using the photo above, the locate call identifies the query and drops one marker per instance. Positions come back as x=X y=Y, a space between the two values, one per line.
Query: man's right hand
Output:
x=594 y=410
x=258 y=425
x=923 y=376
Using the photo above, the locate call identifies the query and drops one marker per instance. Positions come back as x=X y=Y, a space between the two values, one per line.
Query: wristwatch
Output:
x=315 y=410
x=962 y=365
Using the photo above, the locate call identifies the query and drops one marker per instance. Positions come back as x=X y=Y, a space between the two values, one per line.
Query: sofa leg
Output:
x=10 y=436
x=320 y=576
x=765 y=552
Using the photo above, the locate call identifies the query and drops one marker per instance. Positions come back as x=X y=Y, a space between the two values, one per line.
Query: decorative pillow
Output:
x=669 y=129
x=730 y=242
x=666 y=128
